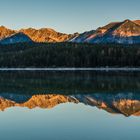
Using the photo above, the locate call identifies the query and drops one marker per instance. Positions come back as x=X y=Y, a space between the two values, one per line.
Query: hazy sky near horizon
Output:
x=66 y=16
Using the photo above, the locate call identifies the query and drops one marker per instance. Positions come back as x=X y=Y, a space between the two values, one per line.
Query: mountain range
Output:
x=125 y=32
x=8 y=36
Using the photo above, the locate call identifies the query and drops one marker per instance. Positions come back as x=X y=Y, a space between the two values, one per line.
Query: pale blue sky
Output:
x=66 y=16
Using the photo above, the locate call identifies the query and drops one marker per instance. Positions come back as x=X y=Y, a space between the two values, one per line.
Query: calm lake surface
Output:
x=67 y=105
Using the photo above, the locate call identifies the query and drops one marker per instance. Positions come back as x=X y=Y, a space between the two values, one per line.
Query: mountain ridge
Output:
x=125 y=32
x=36 y=35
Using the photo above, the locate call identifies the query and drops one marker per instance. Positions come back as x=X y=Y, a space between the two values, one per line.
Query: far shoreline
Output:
x=73 y=69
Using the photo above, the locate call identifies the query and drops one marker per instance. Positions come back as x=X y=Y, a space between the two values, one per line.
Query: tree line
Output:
x=69 y=55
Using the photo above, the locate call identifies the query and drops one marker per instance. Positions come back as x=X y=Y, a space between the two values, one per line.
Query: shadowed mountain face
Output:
x=126 y=32
x=16 y=38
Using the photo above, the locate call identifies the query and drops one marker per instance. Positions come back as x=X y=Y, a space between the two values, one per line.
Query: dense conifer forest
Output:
x=69 y=55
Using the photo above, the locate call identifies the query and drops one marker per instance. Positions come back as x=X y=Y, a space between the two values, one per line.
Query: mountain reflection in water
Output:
x=117 y=93
x=121 y=103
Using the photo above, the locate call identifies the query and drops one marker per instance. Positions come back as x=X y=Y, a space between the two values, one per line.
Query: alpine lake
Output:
x=69 y=105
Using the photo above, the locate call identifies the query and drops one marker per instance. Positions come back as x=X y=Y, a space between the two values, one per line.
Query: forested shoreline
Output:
x=69 y=55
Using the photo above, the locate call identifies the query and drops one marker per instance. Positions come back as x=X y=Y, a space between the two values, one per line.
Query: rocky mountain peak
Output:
x=125 y=32
x=127 y=29
x=5 y=32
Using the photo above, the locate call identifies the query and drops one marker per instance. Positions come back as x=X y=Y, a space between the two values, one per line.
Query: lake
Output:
x=69 y=105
